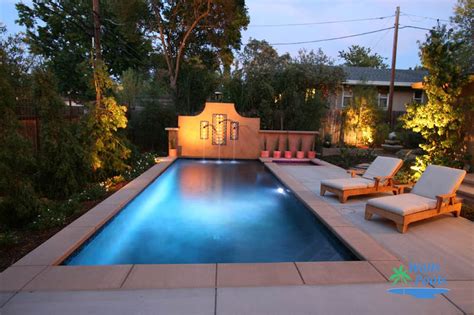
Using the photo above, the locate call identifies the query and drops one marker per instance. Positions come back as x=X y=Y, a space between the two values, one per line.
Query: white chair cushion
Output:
x=349 y=183
x=403 y=204
x=438 y=180
x=382 y=166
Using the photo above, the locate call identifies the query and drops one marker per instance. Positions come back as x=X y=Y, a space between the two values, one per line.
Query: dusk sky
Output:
x=420 y=13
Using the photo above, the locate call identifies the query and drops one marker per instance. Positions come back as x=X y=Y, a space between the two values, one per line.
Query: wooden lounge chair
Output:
x=433 y=194
x=377 y=178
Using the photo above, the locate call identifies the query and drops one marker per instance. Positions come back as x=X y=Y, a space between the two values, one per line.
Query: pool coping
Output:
x=40 y=269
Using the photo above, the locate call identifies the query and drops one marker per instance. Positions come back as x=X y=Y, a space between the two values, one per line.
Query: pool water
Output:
x=212 y=212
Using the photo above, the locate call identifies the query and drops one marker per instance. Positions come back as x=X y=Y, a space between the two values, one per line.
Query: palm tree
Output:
x=399 y=274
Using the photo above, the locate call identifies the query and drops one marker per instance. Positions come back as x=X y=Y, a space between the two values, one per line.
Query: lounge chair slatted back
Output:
x=438 y=180
x=382 y=166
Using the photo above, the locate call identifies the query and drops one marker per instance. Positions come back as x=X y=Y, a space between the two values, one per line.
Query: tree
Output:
x=463 y=22
x=441 y=121
x=362 y=116
x=359 y=56
x=187 y=28
x=61 y=167
x=18 y=201
x=107 y=146
x=61 y=32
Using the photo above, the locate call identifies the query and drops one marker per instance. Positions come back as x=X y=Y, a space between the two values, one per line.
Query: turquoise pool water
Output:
x=212 y=212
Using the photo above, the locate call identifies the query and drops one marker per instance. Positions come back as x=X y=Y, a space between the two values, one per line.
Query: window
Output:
x=383 y=100
x=418 y=96
x=346 y=98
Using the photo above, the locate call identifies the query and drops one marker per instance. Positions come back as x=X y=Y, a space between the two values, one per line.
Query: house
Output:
x=407 y=89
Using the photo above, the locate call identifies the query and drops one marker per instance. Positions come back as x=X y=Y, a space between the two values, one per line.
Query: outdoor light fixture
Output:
x=234 y=130
x=220 y=129
x=204 y=130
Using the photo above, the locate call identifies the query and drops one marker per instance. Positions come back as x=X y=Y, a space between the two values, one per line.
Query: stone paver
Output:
x=328 y=299
x=270 y=274
x=339 y=272
x=367 y=247
x=97 y=216
x=4 y=297
x=171 y=276
x=80 y=278
x=462 y=294
x=57 y=247
x=126 y=302
x=386 y=267
x=445 y=240
x=15 y=278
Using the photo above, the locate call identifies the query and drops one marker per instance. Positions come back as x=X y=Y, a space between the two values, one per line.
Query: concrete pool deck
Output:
x=446 y=240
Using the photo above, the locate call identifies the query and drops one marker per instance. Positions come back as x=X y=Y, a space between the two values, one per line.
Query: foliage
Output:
x=359 y=56
x=93 y=191
x=139 y=164
x=54 y=213
x=132 y=86
x=192 y=28
x=441 y=121
x=195 y=83
x=61 y=32
x=277 y=144
x=18 y=201
x=380 y=134
x=61 y=167
x=350 y=157
x=285 y=93
x=463 y=23
x=362 y=116
x=107 y=146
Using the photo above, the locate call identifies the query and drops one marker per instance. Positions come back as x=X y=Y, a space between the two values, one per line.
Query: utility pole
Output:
x=394 y=62
x=97 y=50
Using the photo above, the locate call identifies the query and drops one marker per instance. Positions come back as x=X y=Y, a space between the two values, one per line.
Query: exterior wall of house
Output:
x=401 y=97
x=332 y=124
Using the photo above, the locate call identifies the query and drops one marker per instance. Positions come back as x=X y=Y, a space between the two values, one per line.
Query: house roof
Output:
x=372 y=76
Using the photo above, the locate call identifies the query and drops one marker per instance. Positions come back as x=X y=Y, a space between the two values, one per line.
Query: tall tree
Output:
x=61 y=32
x=61 y=166
x=18 y=202
x=359 y=56
x=441 y=121
x=190 y=27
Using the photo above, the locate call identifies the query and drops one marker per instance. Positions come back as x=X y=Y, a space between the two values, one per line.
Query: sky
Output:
x=419 y=13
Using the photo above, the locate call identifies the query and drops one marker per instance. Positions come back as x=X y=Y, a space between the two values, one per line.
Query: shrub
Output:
x=54 y=213
x=139 y=163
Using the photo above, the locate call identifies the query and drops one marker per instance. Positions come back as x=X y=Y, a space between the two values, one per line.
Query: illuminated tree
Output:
x=441 y=121
x=362 y=116
x=108 y=147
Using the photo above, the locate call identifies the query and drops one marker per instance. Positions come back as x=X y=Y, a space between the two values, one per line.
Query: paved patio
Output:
x=359 y=289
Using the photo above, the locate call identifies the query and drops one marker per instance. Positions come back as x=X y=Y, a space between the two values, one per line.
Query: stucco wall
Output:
x=190 y=143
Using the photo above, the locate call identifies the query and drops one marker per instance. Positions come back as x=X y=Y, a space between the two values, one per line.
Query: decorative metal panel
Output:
x=219 y=132
x=234 y=130
x=204 y=130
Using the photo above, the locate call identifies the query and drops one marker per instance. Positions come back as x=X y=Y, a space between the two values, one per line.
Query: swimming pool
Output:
x=212 y=212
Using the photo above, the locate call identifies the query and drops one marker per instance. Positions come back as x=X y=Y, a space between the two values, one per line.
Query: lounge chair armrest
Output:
x=440 y=199
x=401 y=187
x=383 y=179
x=355 y=172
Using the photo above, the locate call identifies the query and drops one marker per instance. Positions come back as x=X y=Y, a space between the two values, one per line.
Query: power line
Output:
x=321 y=22
x=425 y=17
x=332 y=38
x=416 y=27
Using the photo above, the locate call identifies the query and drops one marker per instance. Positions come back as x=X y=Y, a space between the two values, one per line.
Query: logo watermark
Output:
x=426 y=277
